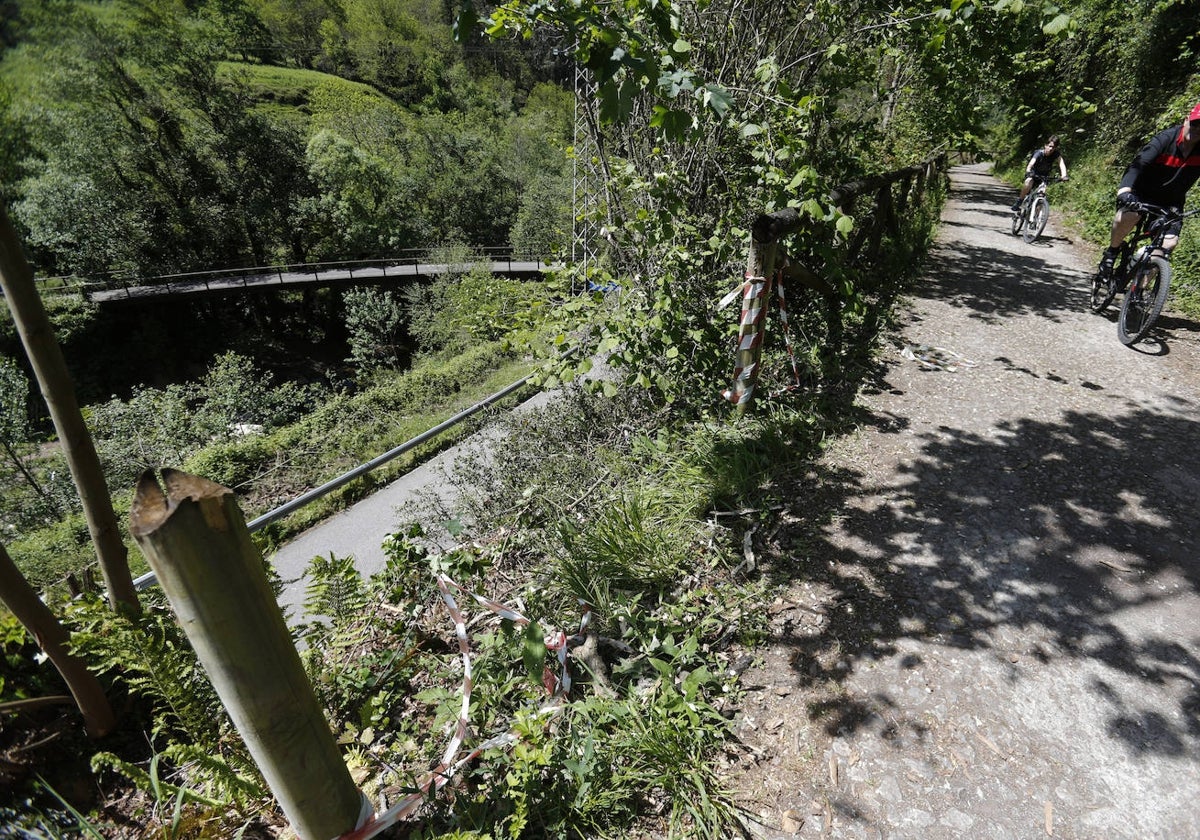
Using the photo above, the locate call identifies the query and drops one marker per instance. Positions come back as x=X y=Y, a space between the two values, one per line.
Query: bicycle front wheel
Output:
x=1038 y=216
x=1103 y=293
x=1018 y=220
x=1144 y=300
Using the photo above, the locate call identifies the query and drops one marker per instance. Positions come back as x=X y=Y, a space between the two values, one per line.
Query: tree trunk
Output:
x=24 y=603
x=46 y=358
x=196 y=540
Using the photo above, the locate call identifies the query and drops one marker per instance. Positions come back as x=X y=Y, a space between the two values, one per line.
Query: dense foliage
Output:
x=155 y=137
x=159 y=135
x=707 y=115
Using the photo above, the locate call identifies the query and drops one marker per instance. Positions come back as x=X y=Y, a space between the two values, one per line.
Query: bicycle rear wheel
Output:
x=1144 y=300
x=1018 y=220
x=1038 y=215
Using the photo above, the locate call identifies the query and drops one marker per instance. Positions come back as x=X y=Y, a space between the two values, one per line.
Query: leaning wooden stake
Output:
x=46 y=358
x=195 y=538
x=20 y=597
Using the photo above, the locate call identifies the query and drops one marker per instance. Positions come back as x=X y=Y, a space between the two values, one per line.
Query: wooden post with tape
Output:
x=195 y=538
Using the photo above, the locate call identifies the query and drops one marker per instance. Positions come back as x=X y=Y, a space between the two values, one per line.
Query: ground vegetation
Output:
x=633 y=493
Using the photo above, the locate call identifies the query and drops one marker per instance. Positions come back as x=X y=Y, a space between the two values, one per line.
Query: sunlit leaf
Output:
x=717 y=98
x=1058 y=25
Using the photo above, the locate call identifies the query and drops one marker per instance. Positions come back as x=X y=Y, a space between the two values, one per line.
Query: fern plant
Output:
x=151 y=656
x=335 y=589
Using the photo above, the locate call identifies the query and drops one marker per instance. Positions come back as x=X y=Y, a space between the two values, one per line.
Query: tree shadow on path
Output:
x=1056 y=532
x=1068 y=541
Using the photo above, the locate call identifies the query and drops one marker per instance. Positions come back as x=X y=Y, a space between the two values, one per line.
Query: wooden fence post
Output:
x=195 y=538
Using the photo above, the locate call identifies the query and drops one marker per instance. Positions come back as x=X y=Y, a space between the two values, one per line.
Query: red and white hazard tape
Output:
x=557 y=685
x=755 y=291
x=756 y=294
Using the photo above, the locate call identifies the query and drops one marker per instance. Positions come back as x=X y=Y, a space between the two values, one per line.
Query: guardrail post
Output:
x=195 y=538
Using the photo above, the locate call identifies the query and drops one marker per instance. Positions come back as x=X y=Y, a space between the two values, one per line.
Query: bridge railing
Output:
x=411 y=262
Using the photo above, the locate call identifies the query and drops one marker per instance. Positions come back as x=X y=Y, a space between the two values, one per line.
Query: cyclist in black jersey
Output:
x=1162 y=173
x=1039 y=165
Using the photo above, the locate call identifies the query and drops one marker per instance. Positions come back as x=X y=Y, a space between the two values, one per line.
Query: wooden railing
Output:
x=890 y=195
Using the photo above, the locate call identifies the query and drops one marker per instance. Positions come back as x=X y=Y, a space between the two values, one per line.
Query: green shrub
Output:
x=459 y=310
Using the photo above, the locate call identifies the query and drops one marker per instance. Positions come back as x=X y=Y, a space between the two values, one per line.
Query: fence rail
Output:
x=889 y=204
x=769 y=266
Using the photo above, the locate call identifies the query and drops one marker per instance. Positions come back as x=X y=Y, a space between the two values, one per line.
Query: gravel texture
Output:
x=991 y=626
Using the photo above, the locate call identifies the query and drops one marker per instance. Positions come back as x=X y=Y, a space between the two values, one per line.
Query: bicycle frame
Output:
x=1152 y=225
x=1025 y=219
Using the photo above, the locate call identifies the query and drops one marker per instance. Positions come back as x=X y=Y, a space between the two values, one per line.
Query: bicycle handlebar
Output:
x=1160 y=210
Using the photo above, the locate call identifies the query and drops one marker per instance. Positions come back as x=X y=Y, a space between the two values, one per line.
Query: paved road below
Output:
x=996 y=632
x=359 y=530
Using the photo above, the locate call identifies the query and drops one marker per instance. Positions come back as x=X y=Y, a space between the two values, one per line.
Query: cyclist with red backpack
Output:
x=1162 y=173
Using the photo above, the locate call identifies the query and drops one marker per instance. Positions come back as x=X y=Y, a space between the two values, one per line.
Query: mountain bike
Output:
x=1030 y=218
x=1142 y=273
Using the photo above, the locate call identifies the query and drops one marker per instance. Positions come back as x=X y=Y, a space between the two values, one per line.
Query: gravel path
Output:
x=994 y=632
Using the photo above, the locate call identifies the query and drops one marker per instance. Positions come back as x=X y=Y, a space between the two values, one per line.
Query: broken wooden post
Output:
x=196 y=541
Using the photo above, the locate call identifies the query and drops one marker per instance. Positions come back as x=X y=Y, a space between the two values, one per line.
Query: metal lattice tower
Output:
x=587 y=187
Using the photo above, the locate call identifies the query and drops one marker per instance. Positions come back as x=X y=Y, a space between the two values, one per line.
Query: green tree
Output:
x=467 y=190
x=366 y=204
x=245 y=34
x=708 y=114
x=375 y=321
x=401 y=46
x=149 y=163
x=295 y=26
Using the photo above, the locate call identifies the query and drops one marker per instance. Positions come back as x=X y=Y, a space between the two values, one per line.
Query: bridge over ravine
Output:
x=302 y=275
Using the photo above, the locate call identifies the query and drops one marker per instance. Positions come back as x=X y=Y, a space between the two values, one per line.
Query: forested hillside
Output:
x=142 y=137
x=153 y=137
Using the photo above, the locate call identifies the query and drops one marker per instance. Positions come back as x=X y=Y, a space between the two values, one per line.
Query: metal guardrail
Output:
x=149 y=579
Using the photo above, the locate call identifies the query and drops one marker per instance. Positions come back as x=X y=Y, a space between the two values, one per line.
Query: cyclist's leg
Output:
x=1171 y=239
x=1123 y=224
x=1025 y=187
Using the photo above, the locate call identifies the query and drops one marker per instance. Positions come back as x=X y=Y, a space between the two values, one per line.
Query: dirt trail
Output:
x=994 y=632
